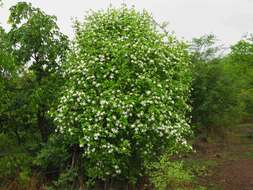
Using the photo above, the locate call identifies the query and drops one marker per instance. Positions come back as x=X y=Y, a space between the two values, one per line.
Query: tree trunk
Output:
x=77 y=163
x=81 y=181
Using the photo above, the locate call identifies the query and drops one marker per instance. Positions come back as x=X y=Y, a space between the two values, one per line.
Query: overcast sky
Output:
x=229 y=20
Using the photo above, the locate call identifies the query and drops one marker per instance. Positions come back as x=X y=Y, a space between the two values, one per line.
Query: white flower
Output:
x=118 y=171
x=102 y=102
x=96 y=135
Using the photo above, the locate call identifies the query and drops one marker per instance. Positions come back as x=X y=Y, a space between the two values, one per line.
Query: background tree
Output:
x=216 y=86
x=12 y=156
x=31 y=54
x=7 y=74
x=242 y=51
x=39 y=47
x=241 y=56
x=205 y=49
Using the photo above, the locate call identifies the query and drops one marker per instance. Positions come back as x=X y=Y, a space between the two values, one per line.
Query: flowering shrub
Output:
x=125 y=99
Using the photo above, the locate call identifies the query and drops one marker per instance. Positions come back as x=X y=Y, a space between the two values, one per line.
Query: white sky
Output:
x=229 y=20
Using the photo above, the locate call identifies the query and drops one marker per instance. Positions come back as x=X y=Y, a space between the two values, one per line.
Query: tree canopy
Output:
x=125 y=99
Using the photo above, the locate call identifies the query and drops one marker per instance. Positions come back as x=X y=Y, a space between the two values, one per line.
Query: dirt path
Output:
x=233 y=169
x=235 y=175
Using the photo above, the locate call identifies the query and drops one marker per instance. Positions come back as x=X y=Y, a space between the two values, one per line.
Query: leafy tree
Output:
x=204 y=48
x=39 y=47
x=30 y=60
x=241 y=55
x=125 y=99
x=13 y=159
x=242 y=51
x=14 y=92
x=217 y=85
x=7 y=73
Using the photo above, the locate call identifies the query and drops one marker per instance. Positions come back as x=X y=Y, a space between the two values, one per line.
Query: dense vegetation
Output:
x=117 y=105
x=222 y=85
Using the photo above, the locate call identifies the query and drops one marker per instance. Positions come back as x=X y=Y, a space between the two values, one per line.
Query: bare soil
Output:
x=234 y=160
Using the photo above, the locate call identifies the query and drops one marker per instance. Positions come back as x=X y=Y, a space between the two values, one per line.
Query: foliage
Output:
x=216 y=95
x=242 y=55
x=7 y=72
x=31 y=54
x=66 y=179
x=53 y=155
x=242 y=51
x=125 y=100
x=204 y=48
x=119 y=98
x=40 y=60
x=48 y=44
x=7 y=62
x=168 y=174
x=14 y=161
x=217 y=86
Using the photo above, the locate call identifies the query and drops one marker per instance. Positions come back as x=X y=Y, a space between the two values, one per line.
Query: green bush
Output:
x=125 y=98
x=15 y=162
x=169 y=174
x=53 y=156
